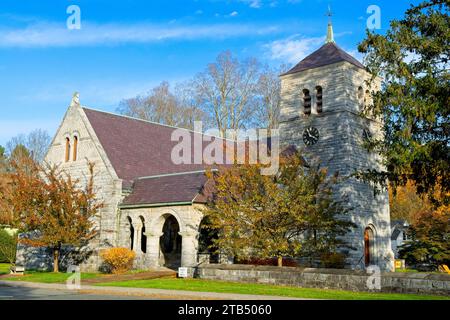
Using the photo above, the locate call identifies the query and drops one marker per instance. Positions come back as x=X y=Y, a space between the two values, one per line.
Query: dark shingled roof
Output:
x=328 y=54
x=395 y=234
x=140 y=152
x=138 y=148
x=176 y=188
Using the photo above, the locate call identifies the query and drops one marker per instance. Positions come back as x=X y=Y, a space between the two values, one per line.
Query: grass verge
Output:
x=262 y=289
x=4 y=268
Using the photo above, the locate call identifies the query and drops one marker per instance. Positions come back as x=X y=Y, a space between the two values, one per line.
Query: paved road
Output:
x=10 y=293
x=29 y=290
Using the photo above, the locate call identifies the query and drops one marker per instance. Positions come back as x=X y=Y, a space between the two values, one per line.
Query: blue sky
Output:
x=124 y=48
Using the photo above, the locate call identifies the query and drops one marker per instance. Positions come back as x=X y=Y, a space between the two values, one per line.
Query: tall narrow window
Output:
x=67 y=149
x=361 y=96
x=319 y=96
x=75 y=148
x=366 y=98
x=368 y=246
x=306 y=102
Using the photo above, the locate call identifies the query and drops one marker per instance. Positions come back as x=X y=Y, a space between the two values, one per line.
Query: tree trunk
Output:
x=56 y=260
x=280 y=261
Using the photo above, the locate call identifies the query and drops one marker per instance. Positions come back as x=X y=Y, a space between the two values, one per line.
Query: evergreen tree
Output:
x=413 y=60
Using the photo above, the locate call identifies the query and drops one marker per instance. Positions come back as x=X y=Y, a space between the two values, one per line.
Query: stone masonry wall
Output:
x=340 y=149
x=419 y=283
x=107 y=185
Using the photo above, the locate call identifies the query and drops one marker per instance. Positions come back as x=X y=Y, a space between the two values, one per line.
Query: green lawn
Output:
x=48 y=277
x=262 y=289
x=220 y=286
x=4 y=268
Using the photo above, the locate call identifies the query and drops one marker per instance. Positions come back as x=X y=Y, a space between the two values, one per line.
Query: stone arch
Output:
x=157 y=224
x=169 y=227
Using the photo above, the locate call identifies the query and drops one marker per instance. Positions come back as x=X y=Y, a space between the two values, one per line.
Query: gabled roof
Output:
x=138 y=148
x=168 y=189
x=328 y=54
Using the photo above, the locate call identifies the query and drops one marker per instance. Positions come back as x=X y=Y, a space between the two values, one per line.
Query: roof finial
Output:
x=330 y=34
x=75 y=100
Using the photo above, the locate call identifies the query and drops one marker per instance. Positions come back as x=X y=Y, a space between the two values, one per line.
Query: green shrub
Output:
x=8 y=247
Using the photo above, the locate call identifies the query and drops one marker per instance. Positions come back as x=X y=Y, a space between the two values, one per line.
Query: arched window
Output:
x=319 y=97
x=143 y=237
x=67 y=149
x=306 y=101
x=367 y=98
x=75 y=148
x=361 y=96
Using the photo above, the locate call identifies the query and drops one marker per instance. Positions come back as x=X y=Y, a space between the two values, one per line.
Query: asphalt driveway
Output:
x=22 y=293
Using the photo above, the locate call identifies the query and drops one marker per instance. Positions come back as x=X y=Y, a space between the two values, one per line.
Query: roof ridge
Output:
x=172 y=174
x=151 y=122
x=327 y=54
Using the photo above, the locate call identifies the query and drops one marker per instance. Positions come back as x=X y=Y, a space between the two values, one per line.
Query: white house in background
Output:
x=399 y=235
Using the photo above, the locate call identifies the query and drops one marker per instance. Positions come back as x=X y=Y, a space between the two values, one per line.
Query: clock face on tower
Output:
x=311 y=136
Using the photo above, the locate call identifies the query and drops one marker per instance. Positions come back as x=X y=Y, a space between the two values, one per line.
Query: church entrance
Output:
x=170 y=244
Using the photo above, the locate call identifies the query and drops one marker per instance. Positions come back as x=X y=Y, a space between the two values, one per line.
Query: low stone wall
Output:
x=423 y=283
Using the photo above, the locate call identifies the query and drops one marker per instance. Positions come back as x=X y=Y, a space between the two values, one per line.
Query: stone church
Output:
x=153 y=206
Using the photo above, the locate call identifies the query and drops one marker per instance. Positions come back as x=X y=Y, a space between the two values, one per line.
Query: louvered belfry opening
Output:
x=319 y=97
x=306 y=102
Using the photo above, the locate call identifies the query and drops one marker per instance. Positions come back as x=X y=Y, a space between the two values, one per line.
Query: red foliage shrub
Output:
x=287 y=262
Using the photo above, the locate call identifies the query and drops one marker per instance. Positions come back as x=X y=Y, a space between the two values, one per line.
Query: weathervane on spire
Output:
x=330 y=34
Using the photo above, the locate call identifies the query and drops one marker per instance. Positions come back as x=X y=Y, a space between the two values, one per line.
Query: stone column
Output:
x=152 y=255
x=189 y=248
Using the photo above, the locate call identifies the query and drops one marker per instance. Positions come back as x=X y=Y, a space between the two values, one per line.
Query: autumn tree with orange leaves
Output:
x=406 y=203
x=46 y=200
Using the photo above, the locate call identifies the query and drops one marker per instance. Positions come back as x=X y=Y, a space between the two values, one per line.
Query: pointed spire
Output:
x=75 y=100
x=330 y=33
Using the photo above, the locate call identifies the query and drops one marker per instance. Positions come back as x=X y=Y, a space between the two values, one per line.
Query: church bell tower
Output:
x=322 y=99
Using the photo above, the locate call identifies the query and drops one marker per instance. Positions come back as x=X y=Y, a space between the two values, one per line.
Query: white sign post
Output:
x=183 y=272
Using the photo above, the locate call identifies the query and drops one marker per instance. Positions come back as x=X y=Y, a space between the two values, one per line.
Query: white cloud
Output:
x=56 y=35
x=234 y=14
x=293 y=49
x=255 y=3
